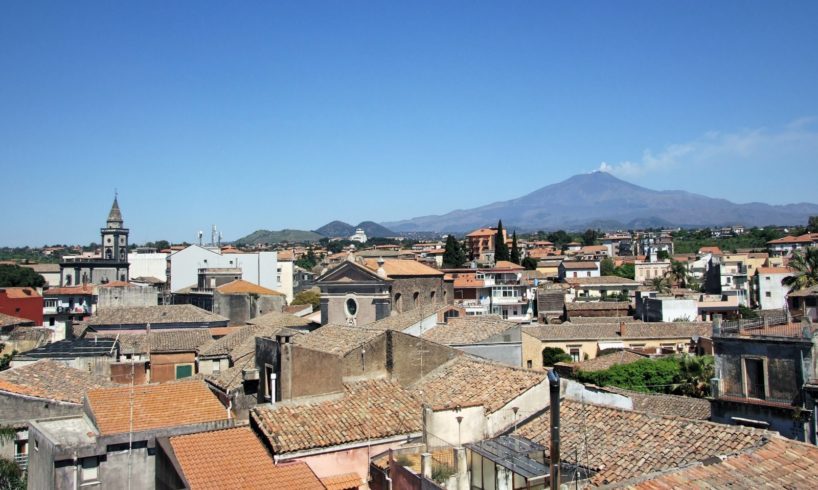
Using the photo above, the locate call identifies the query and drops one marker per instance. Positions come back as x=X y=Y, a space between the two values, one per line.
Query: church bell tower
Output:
x=114 y=236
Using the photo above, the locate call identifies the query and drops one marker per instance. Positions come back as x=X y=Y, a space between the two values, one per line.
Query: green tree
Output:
x=11 y=476
x=453 y=253
x=530 y=263
x=695 y=373
x=308 y=261
x=553 y=355
x=515 y=250
x=500 y=247
x=745 y=312
x=662 y=255
x=660 y=284
x=589 y=237
x=678 y=274
x=627 y=271
x=559 y=238
x=308 y=297
x=16 y=276
x=607 y=267
x=812 y=224
x=805 y=264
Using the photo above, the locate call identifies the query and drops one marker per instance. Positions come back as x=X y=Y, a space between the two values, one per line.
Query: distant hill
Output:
x=601 y=200
x=341 y=229
x=267 y=236
x=336 y=229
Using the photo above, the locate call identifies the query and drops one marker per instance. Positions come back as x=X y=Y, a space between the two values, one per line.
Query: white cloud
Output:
x=797 y=140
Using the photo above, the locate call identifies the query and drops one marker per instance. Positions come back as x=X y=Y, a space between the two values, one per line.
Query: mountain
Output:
x=601 y=200
x=341 y=229
x=267 y=236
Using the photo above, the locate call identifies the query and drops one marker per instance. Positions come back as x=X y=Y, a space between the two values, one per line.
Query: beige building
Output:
x=584 y=342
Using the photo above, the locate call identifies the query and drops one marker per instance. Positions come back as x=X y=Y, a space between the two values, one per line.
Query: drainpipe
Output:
x=554 y=391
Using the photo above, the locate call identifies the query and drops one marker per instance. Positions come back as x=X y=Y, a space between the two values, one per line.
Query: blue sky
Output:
x=288 y=115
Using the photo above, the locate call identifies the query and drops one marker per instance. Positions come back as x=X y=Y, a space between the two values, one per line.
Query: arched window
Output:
x=415 y=298
x=432 y=296
x=398 y=303
x=109 y=254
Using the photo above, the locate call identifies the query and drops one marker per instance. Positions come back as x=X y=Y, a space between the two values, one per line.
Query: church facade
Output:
x=110 y=265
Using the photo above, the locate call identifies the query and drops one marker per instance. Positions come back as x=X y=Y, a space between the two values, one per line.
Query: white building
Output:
x=771 y=294
x=668 y=309
x=148 y=265
x=359 y=236
x=257 y=267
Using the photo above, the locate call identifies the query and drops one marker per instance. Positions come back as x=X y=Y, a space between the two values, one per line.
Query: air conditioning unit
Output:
x=60 y=309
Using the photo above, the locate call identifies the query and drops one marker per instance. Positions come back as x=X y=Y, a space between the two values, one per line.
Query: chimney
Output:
x=273 y=378
x=554 y=391
x=622 y=329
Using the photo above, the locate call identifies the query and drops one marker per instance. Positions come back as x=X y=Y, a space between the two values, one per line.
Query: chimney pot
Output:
x=622 y=329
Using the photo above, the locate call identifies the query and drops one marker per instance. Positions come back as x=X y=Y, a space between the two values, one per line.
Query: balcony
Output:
x=22 y=461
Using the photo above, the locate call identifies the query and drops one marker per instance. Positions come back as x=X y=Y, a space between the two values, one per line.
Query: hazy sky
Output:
x=288 y=115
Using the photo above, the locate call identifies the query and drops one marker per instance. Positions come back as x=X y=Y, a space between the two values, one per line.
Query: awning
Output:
x=611 y=345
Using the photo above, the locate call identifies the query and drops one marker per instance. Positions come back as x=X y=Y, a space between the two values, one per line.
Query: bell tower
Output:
x=114 y=236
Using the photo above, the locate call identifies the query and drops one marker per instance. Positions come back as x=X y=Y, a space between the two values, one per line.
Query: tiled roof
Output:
x=154 y=406
x=579 y=265
x=40 y=334
x=624 y=444
x=601 y=281
x=240 y=286
x=507 y=265
x=82 y=290
x=584 y=320
x=278 y=319
x=601 y=363
x=235 y=458
x=660 y=404
x=155 y=315
x=343 y=481
x=550 y=300
x=468 y=281
x=468 y=330
x=9 y=321
x=366 y=410
x=402 y=321
x=21 y=292
x=596 y=305
x=225 y=345
x=336 y=339
x=398 y=267
x=611 y=331
x=483 y=232
x=775 y=270
x=232 y=378
x=780 y=463
x=51 y=380
x=189 y=340
x=469 y=381
x=710 y=250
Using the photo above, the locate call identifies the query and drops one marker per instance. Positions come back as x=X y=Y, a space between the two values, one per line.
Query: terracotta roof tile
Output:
x=154 y=406
x=235 y=458
x=366 y=410
x=468 y=330
x=468 y=381
x=402 y=321
x=336 y=339
x=780 y=463
x=344 y=481
x=20 y=293
x=579 y=265
x=82 y=290
x=51 y=380
x=155 y=315
x=775 y=270
x=278 y=319
x=661 y=404
x=624 y=444
x=188 y=340
x=10 y=321
x=399 y=267
x=240 y=286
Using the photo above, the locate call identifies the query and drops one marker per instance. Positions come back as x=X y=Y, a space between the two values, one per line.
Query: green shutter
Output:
x=184 y=371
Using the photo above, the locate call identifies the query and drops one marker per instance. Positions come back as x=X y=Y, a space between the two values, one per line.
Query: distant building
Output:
x=111 y=265
x=359 y=236
x=480 y=244
x=771 y=294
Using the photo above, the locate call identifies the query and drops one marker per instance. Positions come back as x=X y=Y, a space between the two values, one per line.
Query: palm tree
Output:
x=660 y=284
x=678 y=274
x=805 y=264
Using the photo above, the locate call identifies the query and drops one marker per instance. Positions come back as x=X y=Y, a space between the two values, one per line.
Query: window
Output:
x=51 y=321
x=575 y=354
x=766 y=278
x=90 y=469
x=768 y=294
x=351 y=307
x=184 y=371
x=754 y=378
x=398 y=303
x=415 y=298
x=528 y=364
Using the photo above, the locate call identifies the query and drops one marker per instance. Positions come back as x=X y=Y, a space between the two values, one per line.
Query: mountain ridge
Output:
x=601 y=197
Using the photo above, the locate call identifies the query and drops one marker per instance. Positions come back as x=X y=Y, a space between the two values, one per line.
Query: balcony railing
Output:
x=22 y=461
